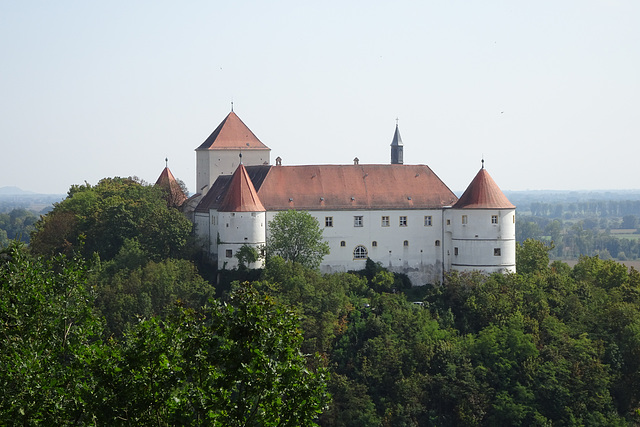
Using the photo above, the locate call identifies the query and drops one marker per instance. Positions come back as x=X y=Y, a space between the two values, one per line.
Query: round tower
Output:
x=241 y=221
x=483 y=228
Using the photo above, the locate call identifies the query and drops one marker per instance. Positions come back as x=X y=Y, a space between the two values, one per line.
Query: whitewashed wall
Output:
x=237 y=229
x=421 y=260
x=479 y=239
x=212 y=163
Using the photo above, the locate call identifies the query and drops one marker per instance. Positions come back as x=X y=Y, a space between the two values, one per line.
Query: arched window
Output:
x=360 y=252
x=406 y=243
x=437 y=242
x=343 y=243
x=374 y=243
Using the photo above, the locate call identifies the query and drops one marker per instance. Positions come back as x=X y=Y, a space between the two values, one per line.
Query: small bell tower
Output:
x=396 y=147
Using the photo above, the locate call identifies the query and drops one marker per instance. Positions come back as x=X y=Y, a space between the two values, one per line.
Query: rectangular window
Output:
x=464 y=219
x=229 y=253
x=385 y=221
x=448 y=222
x=494 y=219
x=427 y=221
x=403 y=221
x=214 y=220
x=496 y=251
x=455 y=251
x=328 y=221
x=357 y=221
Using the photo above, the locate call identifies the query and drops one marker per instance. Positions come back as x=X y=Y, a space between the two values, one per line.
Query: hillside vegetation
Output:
x=102 y=322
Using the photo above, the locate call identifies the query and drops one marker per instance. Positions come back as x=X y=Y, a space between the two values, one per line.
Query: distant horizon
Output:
x=18 y=191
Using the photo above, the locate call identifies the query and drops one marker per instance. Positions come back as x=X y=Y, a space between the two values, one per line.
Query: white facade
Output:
x=422 y=244
x=423 y=231
x=210 y=164
x=237 y=229
x=482 y=239
x=398 y=239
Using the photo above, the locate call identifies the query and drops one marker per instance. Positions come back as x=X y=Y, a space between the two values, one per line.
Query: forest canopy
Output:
x=108 y=320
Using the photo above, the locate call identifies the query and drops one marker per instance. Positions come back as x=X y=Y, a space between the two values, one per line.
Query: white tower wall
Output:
x=237 y=229
x=483 y=239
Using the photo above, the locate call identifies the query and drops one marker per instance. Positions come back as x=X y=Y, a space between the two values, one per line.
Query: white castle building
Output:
x=400 y=215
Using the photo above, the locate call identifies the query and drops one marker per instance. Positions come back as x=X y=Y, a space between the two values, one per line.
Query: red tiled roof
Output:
x=175 y=195
x=483 y=193
x=232 y=134
x=342 y=187
x=241 y=195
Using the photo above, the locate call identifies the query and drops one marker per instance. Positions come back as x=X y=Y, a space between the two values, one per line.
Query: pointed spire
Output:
x=241 y=194
x=397 y=147
x=174 y=195
x=483 y=193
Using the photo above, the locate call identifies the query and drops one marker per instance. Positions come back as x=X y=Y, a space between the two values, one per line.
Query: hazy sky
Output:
x=547 y=91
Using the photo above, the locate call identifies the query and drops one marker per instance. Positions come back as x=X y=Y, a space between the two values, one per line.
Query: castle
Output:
x=402 y=216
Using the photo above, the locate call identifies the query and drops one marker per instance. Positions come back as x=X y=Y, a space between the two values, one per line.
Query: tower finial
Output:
x=232 y=105
x=240 y=155
x=166 y=162
x=397 y=122
x=483 y=162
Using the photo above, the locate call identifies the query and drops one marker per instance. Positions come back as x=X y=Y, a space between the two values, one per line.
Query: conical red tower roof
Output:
x=175 y=195
x=483 y=193
x=241 y=195
x=232 y=134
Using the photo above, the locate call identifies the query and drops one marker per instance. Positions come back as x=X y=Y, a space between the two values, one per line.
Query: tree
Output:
x=131 y=286
x=234 y=364
x=532 y=256
x=629 y=221
x=100 y=218
x=296 y=236
x=47 y=325
x=246 y=256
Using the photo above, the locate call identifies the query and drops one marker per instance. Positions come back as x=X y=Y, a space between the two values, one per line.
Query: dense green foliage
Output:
x=296 y=236
x=99 y=219
x=16 y=225
x=47 y=328
x=133 y=286
x=137 y=244
x=550 y=345
x=120 y=332
x=231 y=363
